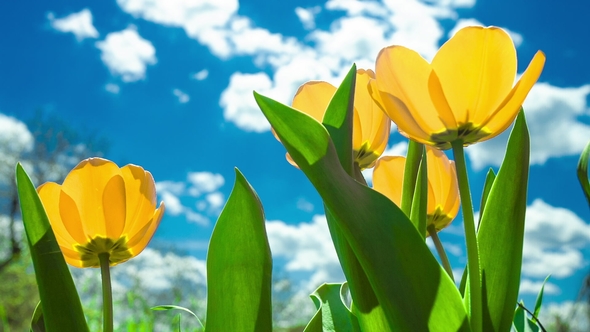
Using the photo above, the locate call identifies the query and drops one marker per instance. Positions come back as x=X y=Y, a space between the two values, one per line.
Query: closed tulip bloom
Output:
x=101 y=208
x=443 y=191
x=371 y=126
x=466 y=94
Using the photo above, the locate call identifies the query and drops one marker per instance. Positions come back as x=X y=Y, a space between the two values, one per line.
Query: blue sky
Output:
x=169 y=83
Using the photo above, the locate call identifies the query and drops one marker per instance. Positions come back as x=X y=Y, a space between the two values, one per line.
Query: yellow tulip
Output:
x=443 y=191
x=101 y=208
x=370 y=125
x=466 y=94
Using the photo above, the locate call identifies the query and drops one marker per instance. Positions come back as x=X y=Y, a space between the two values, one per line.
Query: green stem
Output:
x=441 y=251
x=470 y=238
x=107 y=294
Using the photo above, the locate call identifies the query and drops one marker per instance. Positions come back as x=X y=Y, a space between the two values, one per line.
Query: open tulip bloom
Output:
x=103 y=215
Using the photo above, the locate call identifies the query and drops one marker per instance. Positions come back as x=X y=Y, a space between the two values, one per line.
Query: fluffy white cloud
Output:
x=552 y=116
x=80 y=24
x=238 y=102
x=554 y=238
x=307 y=247
x=200 y=188
x=204 y=182
x=127 y=54
x=183 y=98
x=307 y=16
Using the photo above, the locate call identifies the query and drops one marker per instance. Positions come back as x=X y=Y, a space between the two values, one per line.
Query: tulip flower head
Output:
x=101 y=208
x=443 y=190
x=370 y=125
x=467 y=93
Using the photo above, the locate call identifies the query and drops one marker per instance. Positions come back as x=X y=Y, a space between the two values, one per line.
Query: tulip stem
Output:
x=475 y=301
x=107 y=294
x=441 y=251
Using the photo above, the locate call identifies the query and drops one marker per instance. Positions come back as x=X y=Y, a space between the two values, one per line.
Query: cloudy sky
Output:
x=169 y=83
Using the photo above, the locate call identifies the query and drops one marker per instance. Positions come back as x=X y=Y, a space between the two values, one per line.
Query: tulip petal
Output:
x=70 y=216
x=404 y=74
x=49 y=194
x=476 y=68
x=505 y=114
x=312 y=98
x=388 y=177
x=141 y=198
x=136 y=246
x=85 y=185
x=114 y=207
x=398 y=112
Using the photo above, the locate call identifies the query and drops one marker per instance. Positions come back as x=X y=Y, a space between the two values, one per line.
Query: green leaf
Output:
x=239 y=265
x=522 y=323
x=332 y=314
x=414 y=291
x=419 y=210
x=37 y=322
x=338 y=122
x=166 y=307
x=60 y=302
x=539 y=301
x=490 y=177
x=501 y=232
x=413 y=158
x=583 y=172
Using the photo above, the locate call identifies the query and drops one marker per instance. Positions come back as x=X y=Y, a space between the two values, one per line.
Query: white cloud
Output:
x=204 y=20
x=15 y=141
x=238 y=102
x=202 y=188
x=554 y=238
x=183 y=98
x=574 y=314
x=307 y=16
x=80 y=24
x=204 y=182
x=307 y=247
x=552 y=116
x=201 y=75
x=127 y=54
x=112 y=88
x=528 y=286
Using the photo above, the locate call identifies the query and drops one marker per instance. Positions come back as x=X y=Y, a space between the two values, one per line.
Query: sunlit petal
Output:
x=313 y=98
x=49 y=194
x=138 y=247
x=476 y=68
x=70 y=217
x=85 y=185
x=141 y=197
x=505 y=114
x=114 y=205
x=388 y=177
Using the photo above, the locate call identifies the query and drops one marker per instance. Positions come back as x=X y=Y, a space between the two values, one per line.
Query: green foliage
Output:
x=18 y=294
x=583 y=172
x=239 y=265
x=501 y=232
x=55 y=284
x=416 y=294
x=332 y=314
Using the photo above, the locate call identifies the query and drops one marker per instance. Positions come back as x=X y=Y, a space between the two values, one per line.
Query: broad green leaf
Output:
x=419 y=210
x=166 y=307
x=413 y=157
x=501 y=232
x=539 y=302
x=338 y=122
x=332 y=314
x=583 y=172
x=490 y=177
x=239 y=265
x=522 y=323
x=414 y=291
x=60 y=302
x=37 y=322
